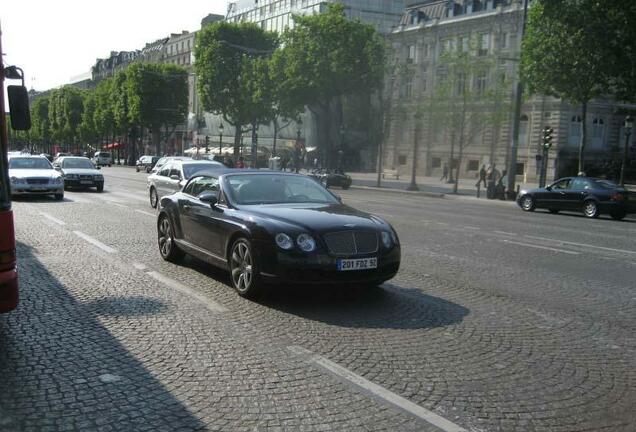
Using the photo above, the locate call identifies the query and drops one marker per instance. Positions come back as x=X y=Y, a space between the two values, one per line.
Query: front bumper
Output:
x=8 y=290
x=83 y=183
x=279 y=267
x=37 y=189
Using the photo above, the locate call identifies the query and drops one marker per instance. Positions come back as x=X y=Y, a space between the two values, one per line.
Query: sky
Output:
x=55 y=40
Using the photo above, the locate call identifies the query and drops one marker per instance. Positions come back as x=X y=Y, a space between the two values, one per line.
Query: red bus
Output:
x=20 y=120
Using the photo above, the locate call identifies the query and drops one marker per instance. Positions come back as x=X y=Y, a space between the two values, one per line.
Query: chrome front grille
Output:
x=86 y=177
x=352 y=242
x=37 y=180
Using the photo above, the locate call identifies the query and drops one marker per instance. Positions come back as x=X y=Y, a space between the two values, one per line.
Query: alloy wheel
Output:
x=165 y=237
x=527 y=203
x=241 y=262
x=154 y=198
x=590 y=209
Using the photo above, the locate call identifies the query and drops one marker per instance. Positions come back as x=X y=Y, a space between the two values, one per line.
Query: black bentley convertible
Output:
x=271 y=227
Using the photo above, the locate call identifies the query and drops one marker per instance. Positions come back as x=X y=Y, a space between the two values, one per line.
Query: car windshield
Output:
x=29 y=163
x=277 y=189
x=104 y=155
x=190 y=169
x=77 y=163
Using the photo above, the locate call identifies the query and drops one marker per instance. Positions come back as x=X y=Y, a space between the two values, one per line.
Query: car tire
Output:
x=59 y=197
x=168 y=249
x=527 y=203
x=137 y=169
x=345 y=186
x=100 y=188
x=244 y=269
x=590 y=209
x=108 y=165
x=618 y=215
x=553 y=211
x=154 y=198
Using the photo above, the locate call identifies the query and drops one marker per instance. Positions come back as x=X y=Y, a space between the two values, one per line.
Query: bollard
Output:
x=478 y=189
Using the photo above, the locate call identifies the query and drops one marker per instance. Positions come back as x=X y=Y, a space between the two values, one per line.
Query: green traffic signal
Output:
x=547 y=137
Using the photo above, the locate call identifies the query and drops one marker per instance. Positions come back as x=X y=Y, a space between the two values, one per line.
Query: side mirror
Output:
x=19 y=107
x=98 y=167
x=57 y=167
x=548 y=188
x=208 y=197
x=175 y=177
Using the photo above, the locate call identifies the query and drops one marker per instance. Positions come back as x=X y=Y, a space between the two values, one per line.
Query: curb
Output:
x=399 y=191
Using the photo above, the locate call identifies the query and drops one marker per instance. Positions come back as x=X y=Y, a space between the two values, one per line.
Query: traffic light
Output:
x=207 y=144
x=547 y=137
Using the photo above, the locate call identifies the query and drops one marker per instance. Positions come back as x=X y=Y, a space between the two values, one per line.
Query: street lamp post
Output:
x=343 y=130
x=413 y=185
x=629 y=124
x=220 y=138
x=297 y=152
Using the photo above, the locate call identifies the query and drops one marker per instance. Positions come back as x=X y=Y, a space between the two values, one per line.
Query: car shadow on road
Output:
x=389 y=306
x=628 y=219
x=126 y=306
x=61 y=368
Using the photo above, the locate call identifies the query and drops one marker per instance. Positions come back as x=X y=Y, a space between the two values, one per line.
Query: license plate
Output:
x=357 y=264
x=86 y=181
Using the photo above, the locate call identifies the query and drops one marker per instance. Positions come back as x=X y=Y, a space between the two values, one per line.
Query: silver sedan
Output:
x=34 y=175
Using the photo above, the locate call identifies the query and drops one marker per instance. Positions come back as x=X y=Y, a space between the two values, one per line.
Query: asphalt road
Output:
x=498 y=320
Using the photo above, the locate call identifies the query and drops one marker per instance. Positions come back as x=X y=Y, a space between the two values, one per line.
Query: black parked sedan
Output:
x=583 y=194
x=332 y=178
x=270 y=227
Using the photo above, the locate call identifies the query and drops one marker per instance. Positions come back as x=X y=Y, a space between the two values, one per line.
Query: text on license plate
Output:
x=357 y=264
x=86 y=181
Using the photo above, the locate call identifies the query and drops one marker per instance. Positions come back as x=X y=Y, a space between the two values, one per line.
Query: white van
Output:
x=102 y=158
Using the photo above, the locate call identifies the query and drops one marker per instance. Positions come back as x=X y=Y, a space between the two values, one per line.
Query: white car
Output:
x=34 y=175
x=102 y=158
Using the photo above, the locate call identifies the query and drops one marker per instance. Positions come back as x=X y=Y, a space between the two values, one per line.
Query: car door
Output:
x=161 y=180
x=203 y=223
x=576 y=193
x=173 y=181
x=554 y=198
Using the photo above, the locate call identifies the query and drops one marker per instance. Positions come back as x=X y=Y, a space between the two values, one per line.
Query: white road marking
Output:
x=146 y=213
x=53 y=219
x=582 y=245
x=178 y=286
x=139 y=266
x=505 y=233
x=117 y=204
x=129 y=195
x=378 y=391
x=78 y=199
x=471 y=227
x=541 y=247
x=95 y=242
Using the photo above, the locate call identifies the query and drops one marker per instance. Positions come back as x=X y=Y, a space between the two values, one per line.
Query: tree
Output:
x=157 y=96
x=40 y=128
x=324 y=57
x=232 y=74
x=65 y=113
x=564 y=55
x=87 y=130
x=103 y=116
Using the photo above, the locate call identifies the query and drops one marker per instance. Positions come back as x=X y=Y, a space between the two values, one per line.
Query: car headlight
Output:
x=57 y=180
x=99 y=177
x=387 y=240
x=306 y=243
x=17 y=180
x=284 y=241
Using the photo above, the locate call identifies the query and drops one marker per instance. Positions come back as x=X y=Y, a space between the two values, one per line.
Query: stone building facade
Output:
x=116 y=61
x=487 y=28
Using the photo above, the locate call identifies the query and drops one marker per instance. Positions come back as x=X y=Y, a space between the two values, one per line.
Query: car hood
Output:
x=81 y=171
x=23 y=173
x=317 y=217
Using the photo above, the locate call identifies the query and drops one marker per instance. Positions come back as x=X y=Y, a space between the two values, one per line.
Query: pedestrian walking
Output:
x=492 y=174
x=444 y=173
x=227 y=161
x=501 y=185
x=482 y=176
x=241 y=163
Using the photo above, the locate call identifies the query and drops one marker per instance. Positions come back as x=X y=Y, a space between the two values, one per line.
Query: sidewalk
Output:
x=426 y=185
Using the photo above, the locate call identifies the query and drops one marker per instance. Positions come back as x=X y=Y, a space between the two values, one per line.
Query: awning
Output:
x=113 y=145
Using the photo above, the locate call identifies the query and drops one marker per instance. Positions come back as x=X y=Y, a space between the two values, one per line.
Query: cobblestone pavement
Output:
x=499 y=320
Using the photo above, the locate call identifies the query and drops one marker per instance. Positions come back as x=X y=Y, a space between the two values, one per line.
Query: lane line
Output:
x=541 y=247
x=139 y=266
x=146 y=213
x=505 y=233
x=178 y=286
x=471 y=227
x=95 y=242
x=378 y=391
x=582 y=245
x=128 y=195
x=53 y=219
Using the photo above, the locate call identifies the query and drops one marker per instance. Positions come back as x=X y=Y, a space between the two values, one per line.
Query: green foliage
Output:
x=87 y=130
x=156 y=95
x=324 y=56
x=66 y=105
x=40 y=129
x=103 y=116
x=233 y=78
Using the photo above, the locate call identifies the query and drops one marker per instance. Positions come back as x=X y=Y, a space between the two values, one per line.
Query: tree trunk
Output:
x=238 y=132
x=156 y=138
x=583 y=137
x=275 y=136
x=452 y=155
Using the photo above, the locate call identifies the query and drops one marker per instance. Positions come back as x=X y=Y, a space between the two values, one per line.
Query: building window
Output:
x=436 y=162
x=521 y=168
x=480 y=84
x=402 y=159
x=462 y=44
x=598 y=132
x=523 y=130
x=575 y=130
x=504 y=40
x=424 y=79
x=484 y=44
x=473 y=165
x=426 y=50
x=411 y=54
x=460 y=85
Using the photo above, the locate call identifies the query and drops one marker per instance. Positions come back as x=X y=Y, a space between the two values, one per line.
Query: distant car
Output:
x=332 y=178
x=34 y=175
x=589 y=195
x=145 y=163
x=173 y=175
x=79 y=172
x=59 y=155
x=269 y=227
x=47 y=156
x=102 y=158
x=163 y=160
